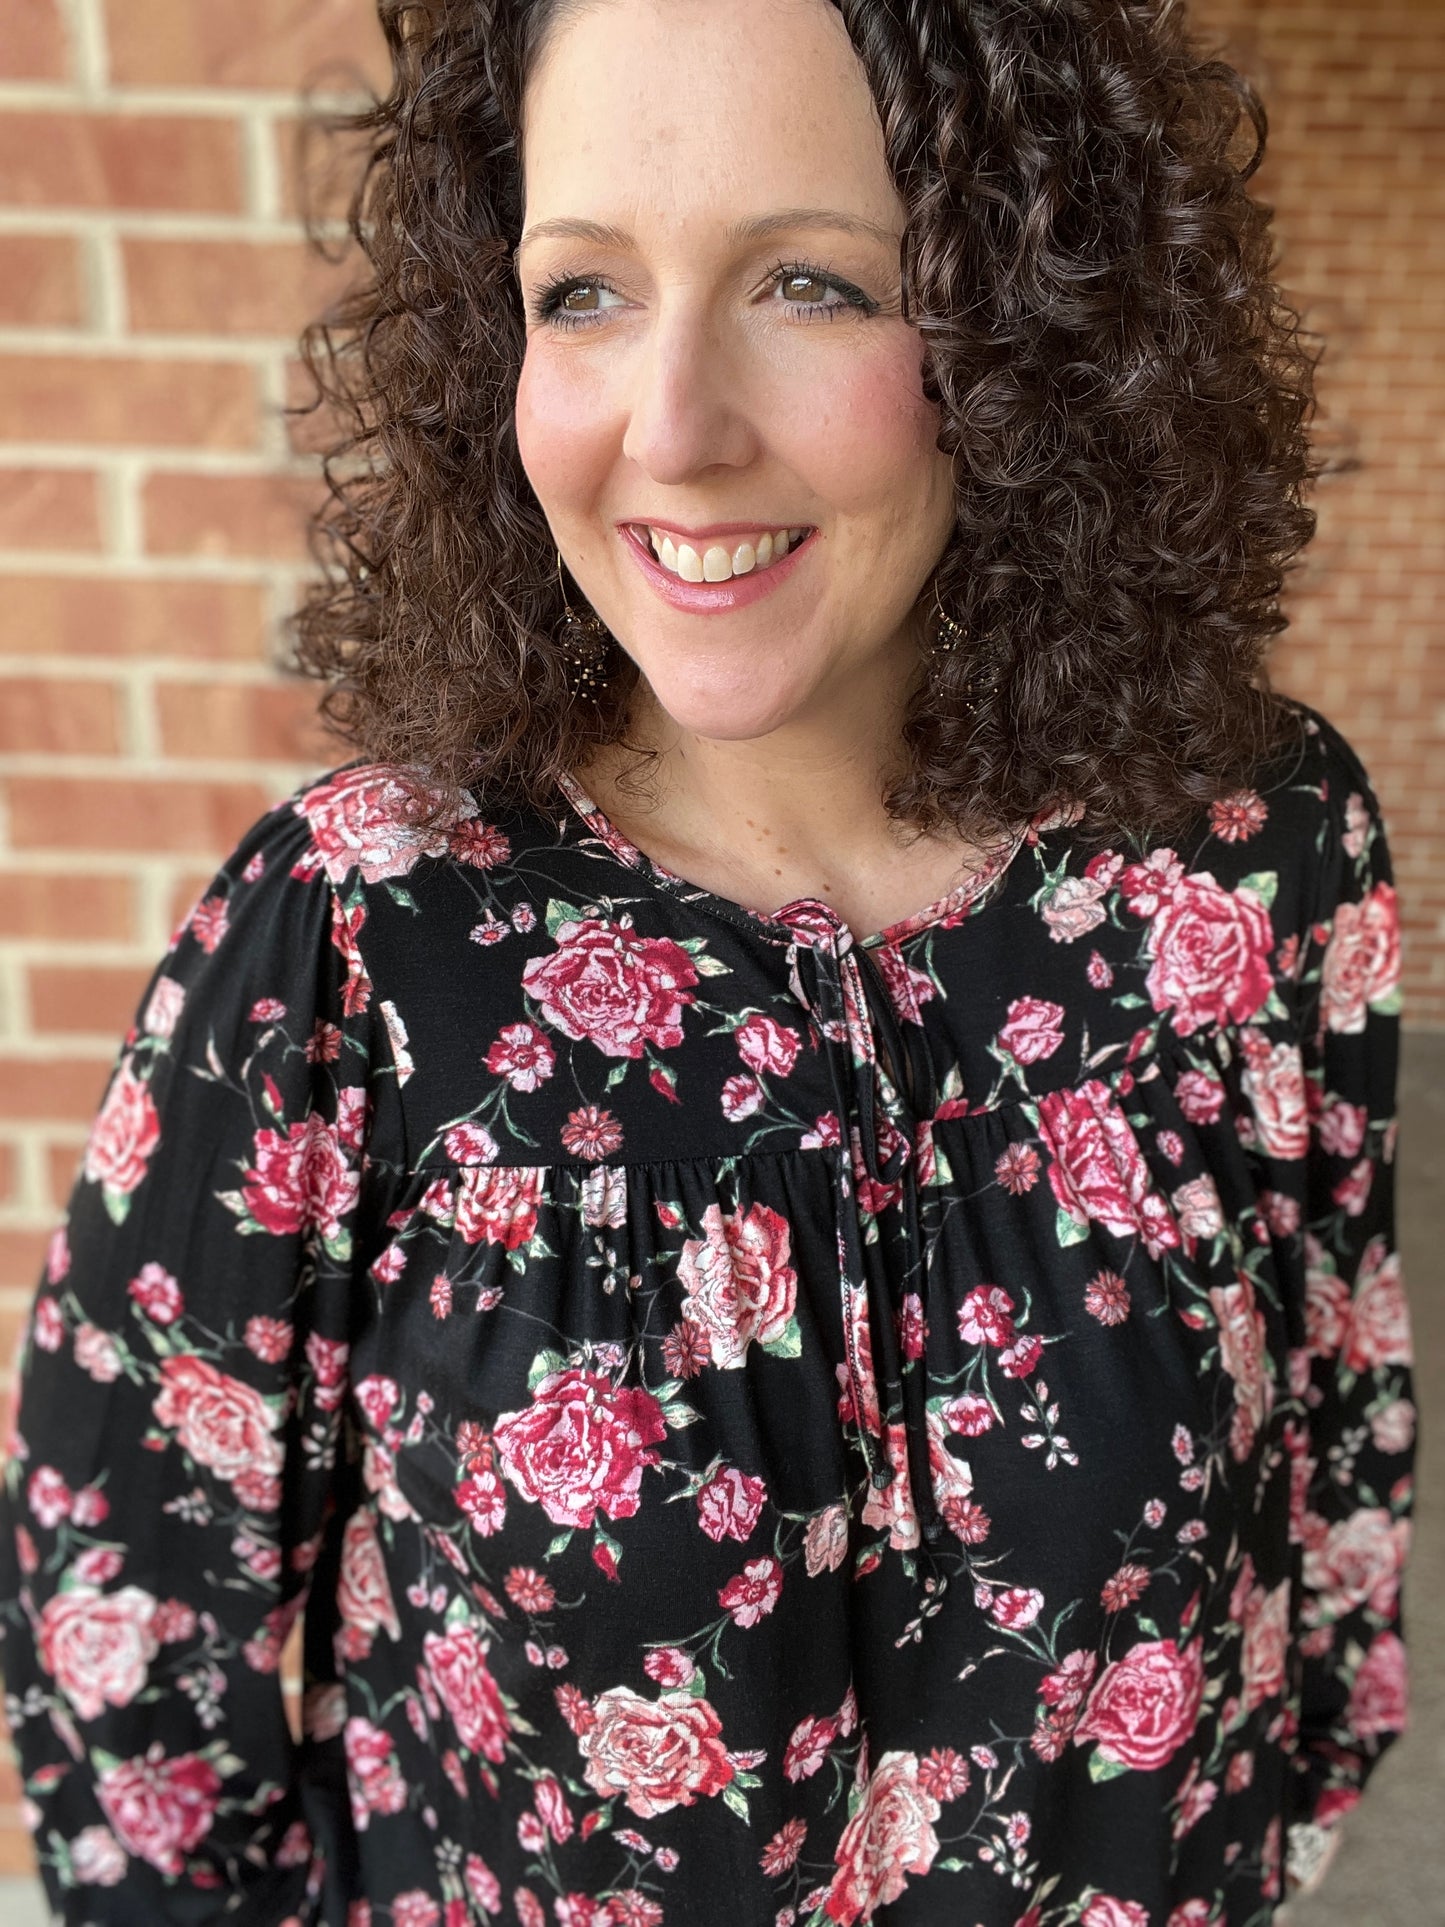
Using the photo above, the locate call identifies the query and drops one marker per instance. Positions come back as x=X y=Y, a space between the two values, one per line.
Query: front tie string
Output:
x=855 y=1071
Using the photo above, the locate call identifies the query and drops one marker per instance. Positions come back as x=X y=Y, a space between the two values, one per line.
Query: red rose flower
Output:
x=160 y=1808
x=889 y=1837
x=125 y=1132
x=1097 y=1169
x=1143 y=1706
x=740 y=1285
x=581 y=1446
x=221 y=1422
x=458 y=1667
x=658 y=1753
x=300 y=1180
x=1211 y=949
x=618 y=990
x=497 y=1203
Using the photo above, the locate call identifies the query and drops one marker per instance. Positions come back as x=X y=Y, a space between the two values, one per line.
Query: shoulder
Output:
x=369 y=823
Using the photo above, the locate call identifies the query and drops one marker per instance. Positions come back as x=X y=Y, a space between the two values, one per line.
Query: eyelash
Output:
x=548 y=308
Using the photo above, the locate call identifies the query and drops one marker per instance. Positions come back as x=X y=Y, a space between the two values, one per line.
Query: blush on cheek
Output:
x=867 y=433
x=562 y=432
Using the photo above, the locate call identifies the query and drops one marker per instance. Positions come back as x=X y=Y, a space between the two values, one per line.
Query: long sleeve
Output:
x=177 y=1404
x=1358 y=1447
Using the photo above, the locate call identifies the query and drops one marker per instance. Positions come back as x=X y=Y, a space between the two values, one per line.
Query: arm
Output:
x=176 y=1410
x=1358 y=1392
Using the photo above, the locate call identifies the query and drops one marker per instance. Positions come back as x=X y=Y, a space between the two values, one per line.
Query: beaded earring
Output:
x=583 y=640
x=948 y=636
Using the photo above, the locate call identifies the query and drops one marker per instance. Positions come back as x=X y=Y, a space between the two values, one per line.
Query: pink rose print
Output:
x=657 y=1754
x=825 y=1542
x=1211 y=953
x=363 y=1593
x=1200 y=1096
x=739 y=1283
x=1098 y=1170
x=729 y=1504
x=357 y=822
x=617 y=990
x=498 y=1204
x=523 y=1056
x=223 y=1423
x=300 y=1180
x=1378 y=1699
x=157 y=1293
x=1244 y=1355
x=1355 y=1562
x=986 y=1316
x=1377 y=1328
x=1362 y=960
x=1075 y=908
x=889 y=1837
x=1105 y=1911
x=581 y=1446
x=458 y=1666
x=1342 y=1129
x=160 y=1808
x=1265 y=1643
x=1274 y=1082
x=125 y=1133
x=1144 y=1705
x=98 y=1646
x=767 y=1046
x=752 y=1594
x=1034 y=1029
x=373 y=1774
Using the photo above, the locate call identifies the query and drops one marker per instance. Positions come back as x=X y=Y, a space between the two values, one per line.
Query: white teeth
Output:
x=717 y=563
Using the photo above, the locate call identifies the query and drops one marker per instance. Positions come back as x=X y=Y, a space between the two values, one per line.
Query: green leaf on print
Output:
x=117 y=1204
x=559 y=1544
x=616 y=1075
x=1130 y=1000
x=1264 y=883
x=542 y=1366
x=1390 y=1005
x=734 y=1797
x=1101 y=1768
x=788 y=1343
x=339 y=1246
x=458 y=1614
x=697 y=1685
x=1274 y=1006
x=403 y=899
x=559 y=913
x=707 y=966
x=942 y=1169
x=1146 y=1626
x=677 y=1413
x=1067 y=1228
x=950 y=1865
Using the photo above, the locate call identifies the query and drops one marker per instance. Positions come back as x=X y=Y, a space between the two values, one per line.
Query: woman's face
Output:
x=691 y=375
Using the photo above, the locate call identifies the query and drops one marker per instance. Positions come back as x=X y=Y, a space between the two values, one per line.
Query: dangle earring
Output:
x=948 y=636
x=584 y=641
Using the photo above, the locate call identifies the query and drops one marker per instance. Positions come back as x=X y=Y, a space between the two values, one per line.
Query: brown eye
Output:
x=796 y=281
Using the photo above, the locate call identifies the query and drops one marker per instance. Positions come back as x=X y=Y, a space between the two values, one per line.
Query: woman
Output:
x=819 y=1331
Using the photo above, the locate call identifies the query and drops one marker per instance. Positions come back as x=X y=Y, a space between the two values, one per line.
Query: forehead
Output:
x=648 y=112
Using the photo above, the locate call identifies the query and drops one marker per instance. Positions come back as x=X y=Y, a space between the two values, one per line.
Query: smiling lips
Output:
x=718 y=562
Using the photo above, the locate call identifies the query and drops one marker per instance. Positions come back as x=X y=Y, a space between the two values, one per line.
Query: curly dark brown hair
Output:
x=1123 y=388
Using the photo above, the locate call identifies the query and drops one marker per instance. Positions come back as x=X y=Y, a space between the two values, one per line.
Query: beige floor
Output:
x=1390 y=1871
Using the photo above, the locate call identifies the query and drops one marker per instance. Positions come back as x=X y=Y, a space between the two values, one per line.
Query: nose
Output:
x=688 y=408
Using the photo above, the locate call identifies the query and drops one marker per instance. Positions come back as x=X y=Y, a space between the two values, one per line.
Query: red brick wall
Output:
x=151 y=284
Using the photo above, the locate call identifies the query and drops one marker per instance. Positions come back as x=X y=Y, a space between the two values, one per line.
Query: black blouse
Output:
x=767 y=1427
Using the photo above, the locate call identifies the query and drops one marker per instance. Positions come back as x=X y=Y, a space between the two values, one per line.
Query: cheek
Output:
x=869 y=434
x=562 y=430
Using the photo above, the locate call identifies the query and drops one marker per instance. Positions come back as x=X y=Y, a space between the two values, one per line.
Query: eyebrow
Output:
x=758 y=228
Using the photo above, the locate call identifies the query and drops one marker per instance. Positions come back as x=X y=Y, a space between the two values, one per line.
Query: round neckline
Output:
x=786 y=919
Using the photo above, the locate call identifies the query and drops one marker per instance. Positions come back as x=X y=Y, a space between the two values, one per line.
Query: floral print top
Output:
x=767 y=1427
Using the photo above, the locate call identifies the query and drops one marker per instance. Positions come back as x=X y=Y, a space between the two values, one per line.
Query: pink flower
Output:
x=767 y=1046
x=986 y=1316
x=1378 y=1702
x=1211 y=949
x=581 y=1446
x=729 y=1504
x=1017 y=1606
x=160 y=1808
x=222 y=1423
x=657 y=1754
x=1098 y=1171
x=124 y=1134
x=1106 y=1297
x=752 y=1594
x=617 y=990
x=1362 y=960
x=1234 y=819
x=1244 y=1354
x=458 y=1667
x=669 y=1666
x=1033 y=1030
x=1274 y=1082
x=889 y=1837
x=1199 y=1096
x=1377 y=1329
x=98 y=1646
x=269 y=1338
x=523 y=1056
x=300 y=1180
x=498 y=1204
x=157 y=1293
x=1144 y=1706
x=358 y=821
x=49 y=1496
x=741 y=1287
x=591 y=1132
x=1105 y=1911
x=1017 y=1169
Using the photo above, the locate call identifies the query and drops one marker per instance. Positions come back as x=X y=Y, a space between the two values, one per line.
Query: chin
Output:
x=726 y=709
